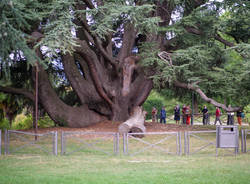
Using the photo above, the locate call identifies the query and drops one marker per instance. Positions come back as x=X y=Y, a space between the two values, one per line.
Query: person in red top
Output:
x=188 y=114
x=217 y=116
x=184 y=117
x=239 y=116
x=154 y=115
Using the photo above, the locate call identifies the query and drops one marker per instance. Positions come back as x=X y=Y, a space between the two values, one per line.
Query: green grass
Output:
x=95 y=169
x=150 y=167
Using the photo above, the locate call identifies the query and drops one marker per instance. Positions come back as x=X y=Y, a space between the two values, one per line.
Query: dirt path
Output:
x=108 y=126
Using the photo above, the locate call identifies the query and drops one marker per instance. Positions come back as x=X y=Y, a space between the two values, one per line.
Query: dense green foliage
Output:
x=153 y=100
x=222 y=72
x=17 y=20
x=10 y=106
x=25 y=122
x=4 y=124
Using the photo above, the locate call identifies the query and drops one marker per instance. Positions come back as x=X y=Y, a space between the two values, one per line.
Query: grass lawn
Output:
x=153 y=166
x=95 y=169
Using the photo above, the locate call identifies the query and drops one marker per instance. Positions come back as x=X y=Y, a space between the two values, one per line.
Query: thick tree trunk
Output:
x=120 y=113
x=62 y=113
x=135 y=124
x=10 y=118
x=93 y=109
x=108 y=86
x=87 y=114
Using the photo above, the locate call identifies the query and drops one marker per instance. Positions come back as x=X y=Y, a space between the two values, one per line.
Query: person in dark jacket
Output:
x=230 y=117
x=205 y=115
x=163 y=115
x=177 y=114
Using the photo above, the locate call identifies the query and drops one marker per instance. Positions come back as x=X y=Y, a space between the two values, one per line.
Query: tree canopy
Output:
x=98 y=59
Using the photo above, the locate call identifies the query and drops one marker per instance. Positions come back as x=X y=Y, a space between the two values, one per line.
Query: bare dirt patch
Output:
x=108 y=126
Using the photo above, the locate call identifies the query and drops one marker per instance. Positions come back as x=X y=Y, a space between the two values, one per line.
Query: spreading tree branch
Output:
x=219 y=38
x=167 y=58
x=99 y=46
x=81 y=86
x=89 y=4
x=127 y=42
x=204 y=97
x=128 y=67
x=96 y=79
x=143 y=92
x=18 y=91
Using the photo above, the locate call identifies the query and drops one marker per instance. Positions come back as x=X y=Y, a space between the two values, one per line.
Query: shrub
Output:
x=23 y=122
x=26 y=122
x=45 y=122
x=4 y=124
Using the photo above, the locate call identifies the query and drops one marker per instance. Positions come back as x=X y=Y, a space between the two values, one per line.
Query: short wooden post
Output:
x=245 y=141
x=55 y=143
x=62 y=143
x=117 y=143
x=242 y=140
x=180 y=146
x=124 y=143
x=185 y=143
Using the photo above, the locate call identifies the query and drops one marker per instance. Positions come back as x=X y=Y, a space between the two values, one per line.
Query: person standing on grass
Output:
x=188 y=115
x=230 y=117
x=205 y=115
x=154 y=115
x=217 y=116
x=163 y=115
x=239 y=116
x=177 y=114
x=184 y=117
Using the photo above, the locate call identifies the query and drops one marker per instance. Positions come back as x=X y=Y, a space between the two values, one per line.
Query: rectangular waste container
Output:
x=227 y=136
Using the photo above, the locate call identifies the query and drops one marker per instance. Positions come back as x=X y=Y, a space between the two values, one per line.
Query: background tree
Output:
x=212 y=64
x=10 y=106
x=93 y=43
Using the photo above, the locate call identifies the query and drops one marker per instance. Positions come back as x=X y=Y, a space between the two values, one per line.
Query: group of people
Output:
x=187 y=113
x=163 y=115
x=230 y=116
